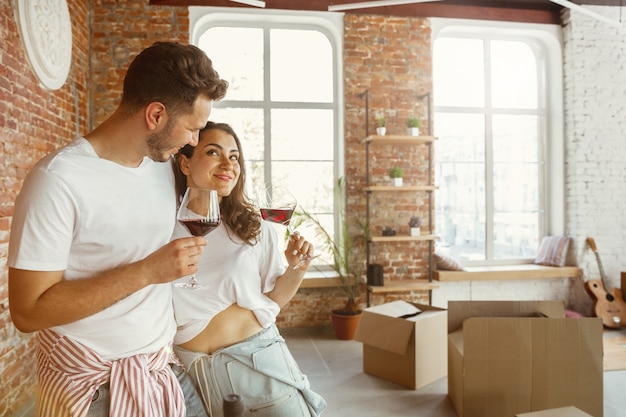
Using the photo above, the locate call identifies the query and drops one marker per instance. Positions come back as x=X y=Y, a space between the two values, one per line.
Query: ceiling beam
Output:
x=544 y=11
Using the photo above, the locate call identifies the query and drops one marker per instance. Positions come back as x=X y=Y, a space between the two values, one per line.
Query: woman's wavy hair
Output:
x=237 y=212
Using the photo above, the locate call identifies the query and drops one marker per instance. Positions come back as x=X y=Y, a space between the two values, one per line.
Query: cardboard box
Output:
x=409 y=351
x=557 y=412
x=511 y=357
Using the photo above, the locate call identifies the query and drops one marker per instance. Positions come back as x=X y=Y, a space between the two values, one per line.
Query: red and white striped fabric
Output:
x=553 y=250
x=69 y=374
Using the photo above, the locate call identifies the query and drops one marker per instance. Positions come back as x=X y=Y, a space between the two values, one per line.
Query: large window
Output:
x=284 y=97
x=497 y=115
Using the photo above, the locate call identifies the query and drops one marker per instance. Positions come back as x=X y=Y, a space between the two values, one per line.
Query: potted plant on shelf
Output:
x=380 y=121
x=414 y=223
x=347 y=260
x=413 y=125
x=396 y=175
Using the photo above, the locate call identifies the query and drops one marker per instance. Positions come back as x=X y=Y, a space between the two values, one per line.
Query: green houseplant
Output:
x=381 y=123
x=347 y=259
x=413 y=125
x=396 y=173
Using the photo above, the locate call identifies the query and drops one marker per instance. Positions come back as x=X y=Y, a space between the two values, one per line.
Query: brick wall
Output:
x=595 y=128
x=120 y=29
x=35 y=121
x=391 y=58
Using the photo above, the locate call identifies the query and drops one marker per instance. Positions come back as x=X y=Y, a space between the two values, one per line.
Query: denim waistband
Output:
x=188 y=357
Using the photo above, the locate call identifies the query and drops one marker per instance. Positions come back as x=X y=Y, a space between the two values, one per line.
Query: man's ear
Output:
x=155 y=115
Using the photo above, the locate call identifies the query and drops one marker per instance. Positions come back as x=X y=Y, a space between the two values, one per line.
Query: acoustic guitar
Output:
x=608 y=304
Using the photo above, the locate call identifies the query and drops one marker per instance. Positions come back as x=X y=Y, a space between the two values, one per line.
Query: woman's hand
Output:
x=298 y=248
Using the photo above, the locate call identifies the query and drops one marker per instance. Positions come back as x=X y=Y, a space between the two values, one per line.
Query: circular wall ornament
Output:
x=46 y=31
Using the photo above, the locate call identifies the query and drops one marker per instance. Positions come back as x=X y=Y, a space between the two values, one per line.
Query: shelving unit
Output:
x=391 y=191
x=428 y=237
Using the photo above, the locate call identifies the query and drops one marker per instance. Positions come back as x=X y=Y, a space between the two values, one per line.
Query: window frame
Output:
x=549 y=39
x=331 y=25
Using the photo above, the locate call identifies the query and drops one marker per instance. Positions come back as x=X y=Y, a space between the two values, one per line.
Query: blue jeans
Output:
x=262 y=370
x=101 y=402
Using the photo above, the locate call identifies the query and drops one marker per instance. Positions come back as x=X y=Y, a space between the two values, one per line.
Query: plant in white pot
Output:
x=347 y=260
x=413 y=125
x=396 y=175
x=381 y=123
x=415 y=223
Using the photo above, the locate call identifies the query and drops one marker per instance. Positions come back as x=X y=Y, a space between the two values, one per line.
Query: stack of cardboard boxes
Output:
x=504 y=358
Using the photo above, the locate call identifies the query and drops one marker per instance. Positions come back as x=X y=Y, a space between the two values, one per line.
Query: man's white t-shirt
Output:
x=82 y=214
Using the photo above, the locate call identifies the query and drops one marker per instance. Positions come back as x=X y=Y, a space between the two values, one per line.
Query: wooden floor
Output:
x=335 y=369
x=614 y=349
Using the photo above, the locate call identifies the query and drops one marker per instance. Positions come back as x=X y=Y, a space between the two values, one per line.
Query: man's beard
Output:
x=159 y=143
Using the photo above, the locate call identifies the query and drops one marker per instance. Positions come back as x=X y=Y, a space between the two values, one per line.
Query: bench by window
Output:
x=508 y=272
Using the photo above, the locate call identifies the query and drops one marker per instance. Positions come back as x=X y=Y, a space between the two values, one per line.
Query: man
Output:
x=89 y=259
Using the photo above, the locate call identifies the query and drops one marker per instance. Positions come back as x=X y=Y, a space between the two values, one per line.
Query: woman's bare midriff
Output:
x=228 y=327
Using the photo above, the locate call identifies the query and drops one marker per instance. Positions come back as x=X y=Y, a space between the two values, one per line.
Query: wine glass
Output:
x=276 y=205
x=200 y=213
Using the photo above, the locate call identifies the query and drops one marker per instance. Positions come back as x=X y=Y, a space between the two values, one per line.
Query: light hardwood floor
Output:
x=334 y=368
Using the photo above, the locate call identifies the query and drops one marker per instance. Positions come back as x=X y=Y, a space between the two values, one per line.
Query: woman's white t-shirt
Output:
x=234 y=272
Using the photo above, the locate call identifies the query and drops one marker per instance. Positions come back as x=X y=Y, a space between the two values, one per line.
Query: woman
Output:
x=227 y=337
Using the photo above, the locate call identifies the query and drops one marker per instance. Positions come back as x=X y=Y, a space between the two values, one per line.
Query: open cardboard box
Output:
x=511 y=357
x=409 y=351
x=556 y=412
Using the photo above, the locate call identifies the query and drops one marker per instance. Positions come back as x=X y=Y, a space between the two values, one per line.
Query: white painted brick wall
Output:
x=595 y=151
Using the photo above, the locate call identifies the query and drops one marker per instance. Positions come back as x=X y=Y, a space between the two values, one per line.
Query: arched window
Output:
x=497 y=89
x=284 y=99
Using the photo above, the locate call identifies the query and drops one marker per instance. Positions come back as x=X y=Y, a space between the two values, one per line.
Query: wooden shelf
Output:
x=508 y=272
x=402 y=238
x=398 y=140
x=401 y=188
x=400 y=286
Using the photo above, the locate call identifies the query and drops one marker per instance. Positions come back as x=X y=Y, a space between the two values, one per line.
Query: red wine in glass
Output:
x=276 y=204
x=277 y=215
x=200 y=212
x=199 y=227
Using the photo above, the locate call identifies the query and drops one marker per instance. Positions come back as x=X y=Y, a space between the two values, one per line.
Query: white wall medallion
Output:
x=46 y=31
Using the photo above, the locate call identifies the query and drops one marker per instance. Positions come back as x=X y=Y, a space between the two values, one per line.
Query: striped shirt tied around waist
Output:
x=69 y=374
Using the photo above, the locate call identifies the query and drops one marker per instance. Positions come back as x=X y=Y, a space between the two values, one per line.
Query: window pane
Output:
x=515 y=138
x=301 y=66
x=517 y=179
x=312 y=186
x=514 y=75
x=304 y=134
x=237 y=54
x=515 y=235
x=460 y=175
x=458 y=72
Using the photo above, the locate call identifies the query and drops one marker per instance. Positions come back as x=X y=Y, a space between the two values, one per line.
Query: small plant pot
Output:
x=416 y=231
x=345 y=326
x=381 y=131
x=413 y=131
x=396 y=182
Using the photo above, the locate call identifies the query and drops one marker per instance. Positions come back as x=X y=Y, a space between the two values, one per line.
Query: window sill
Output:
x=508 y=272
x=320 y=279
